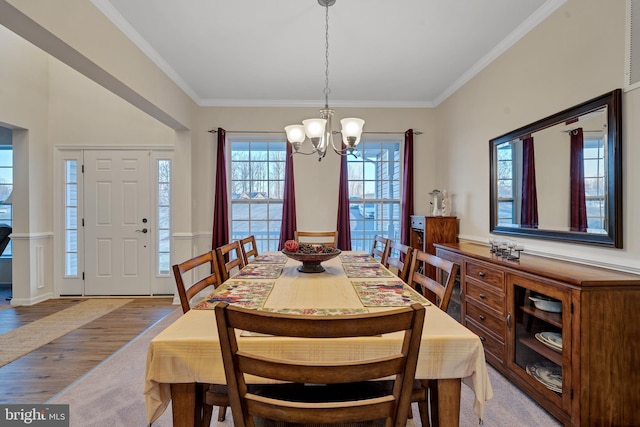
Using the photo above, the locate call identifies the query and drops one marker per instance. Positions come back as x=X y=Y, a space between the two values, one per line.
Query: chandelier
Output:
x=320 y=130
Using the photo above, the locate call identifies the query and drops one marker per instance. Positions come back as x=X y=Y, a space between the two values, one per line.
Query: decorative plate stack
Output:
x=553 y=340
x=549 y=374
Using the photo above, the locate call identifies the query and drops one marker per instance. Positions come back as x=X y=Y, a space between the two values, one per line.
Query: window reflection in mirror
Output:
x=560 y=177
x=551 y=151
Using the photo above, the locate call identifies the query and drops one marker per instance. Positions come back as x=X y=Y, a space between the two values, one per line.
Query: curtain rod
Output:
x=416 y=132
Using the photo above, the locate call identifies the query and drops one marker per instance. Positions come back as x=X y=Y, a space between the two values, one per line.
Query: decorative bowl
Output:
x=547 y=304
x=311 y=262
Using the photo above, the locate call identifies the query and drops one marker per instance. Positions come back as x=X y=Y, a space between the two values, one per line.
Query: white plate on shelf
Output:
x=553 y=338
x=549 y=374
x=548 y=344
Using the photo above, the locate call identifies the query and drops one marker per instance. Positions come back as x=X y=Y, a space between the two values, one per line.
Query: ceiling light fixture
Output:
x=319 y=131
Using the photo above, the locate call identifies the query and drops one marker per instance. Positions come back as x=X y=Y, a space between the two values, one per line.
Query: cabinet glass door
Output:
x=540 y=337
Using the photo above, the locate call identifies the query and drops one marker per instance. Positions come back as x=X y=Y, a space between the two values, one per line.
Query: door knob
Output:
x=144 y=231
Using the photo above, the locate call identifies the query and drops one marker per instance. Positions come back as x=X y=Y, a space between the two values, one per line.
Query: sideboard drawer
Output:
x=485 y=274
x=486 y=319
x=485 y=295
x=493 y=346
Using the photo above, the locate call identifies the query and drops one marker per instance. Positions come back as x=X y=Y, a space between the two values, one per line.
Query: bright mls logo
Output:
x=34 y=415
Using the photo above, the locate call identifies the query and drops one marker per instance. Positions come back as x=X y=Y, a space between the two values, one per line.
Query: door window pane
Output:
x=163 y=235
x=71 y=218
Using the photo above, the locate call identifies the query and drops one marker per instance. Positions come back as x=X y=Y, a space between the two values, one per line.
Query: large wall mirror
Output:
x=561 y=177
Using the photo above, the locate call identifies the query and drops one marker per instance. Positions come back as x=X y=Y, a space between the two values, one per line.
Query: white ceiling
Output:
x=393 y=53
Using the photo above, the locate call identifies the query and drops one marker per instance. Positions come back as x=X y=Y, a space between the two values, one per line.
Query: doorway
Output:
x=117 y=212
x=112 y=244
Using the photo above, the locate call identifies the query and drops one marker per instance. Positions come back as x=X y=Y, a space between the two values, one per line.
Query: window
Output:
x=6 y=188
x=71 y=218
x=594 y=183
x=506 y=196
x=163 y=250
x=374 y=193
x=257 y=189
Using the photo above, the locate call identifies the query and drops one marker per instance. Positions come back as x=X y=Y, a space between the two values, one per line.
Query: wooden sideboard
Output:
x=599 y=325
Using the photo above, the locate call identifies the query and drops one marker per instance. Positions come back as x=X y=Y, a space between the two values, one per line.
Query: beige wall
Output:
x=574 y=55
x=77 y=33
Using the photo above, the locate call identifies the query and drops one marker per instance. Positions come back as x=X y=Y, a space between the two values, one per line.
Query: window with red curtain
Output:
x=374 y=185
x=257 y=188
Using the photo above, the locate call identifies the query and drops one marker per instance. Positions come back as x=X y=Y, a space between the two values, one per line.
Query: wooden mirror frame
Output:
x=613 y=237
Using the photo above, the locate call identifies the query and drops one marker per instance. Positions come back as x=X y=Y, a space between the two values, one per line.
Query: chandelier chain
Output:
x=320 y=131
x=327 y=90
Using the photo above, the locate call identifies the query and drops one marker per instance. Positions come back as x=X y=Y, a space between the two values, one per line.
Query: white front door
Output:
x=117 y=222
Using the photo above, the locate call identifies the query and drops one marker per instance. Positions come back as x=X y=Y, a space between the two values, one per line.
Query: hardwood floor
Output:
x=44 y=372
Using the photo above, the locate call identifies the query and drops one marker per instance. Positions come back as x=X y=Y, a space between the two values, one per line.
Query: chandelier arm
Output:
x=344 y=151
x=303 y=153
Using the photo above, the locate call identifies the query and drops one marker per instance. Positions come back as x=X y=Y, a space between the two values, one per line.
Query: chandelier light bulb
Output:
x=295 y=133
x=314 y=128
x=351 y=131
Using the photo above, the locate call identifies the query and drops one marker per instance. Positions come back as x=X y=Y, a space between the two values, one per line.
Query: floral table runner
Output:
x=276 y=258
x=366 y=270
x=351 y=258
x=308 y=312
x=260 y=271
x=319 y=311
x=378 y=293
x=244 y=293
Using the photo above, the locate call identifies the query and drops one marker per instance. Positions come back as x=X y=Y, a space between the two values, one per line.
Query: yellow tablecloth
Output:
x=188 y=350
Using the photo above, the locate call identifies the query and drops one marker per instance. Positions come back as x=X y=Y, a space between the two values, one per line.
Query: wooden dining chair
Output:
x=399 y=258
x=187 y=291
x=327 y=238
x=439 y=293
x=249 y=248
x=380 y=248
x=217 y=393
x=229 y=257
x=314 y=384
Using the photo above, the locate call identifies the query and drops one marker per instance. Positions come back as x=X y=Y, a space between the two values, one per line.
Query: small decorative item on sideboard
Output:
x=446 y=203
x=435 y=204
x=509 y=250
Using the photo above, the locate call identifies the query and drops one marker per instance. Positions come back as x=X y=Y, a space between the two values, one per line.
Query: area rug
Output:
x=23 y=340
x=111 y=395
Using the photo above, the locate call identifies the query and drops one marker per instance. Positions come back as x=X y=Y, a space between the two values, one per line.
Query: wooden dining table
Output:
x=187 y=352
